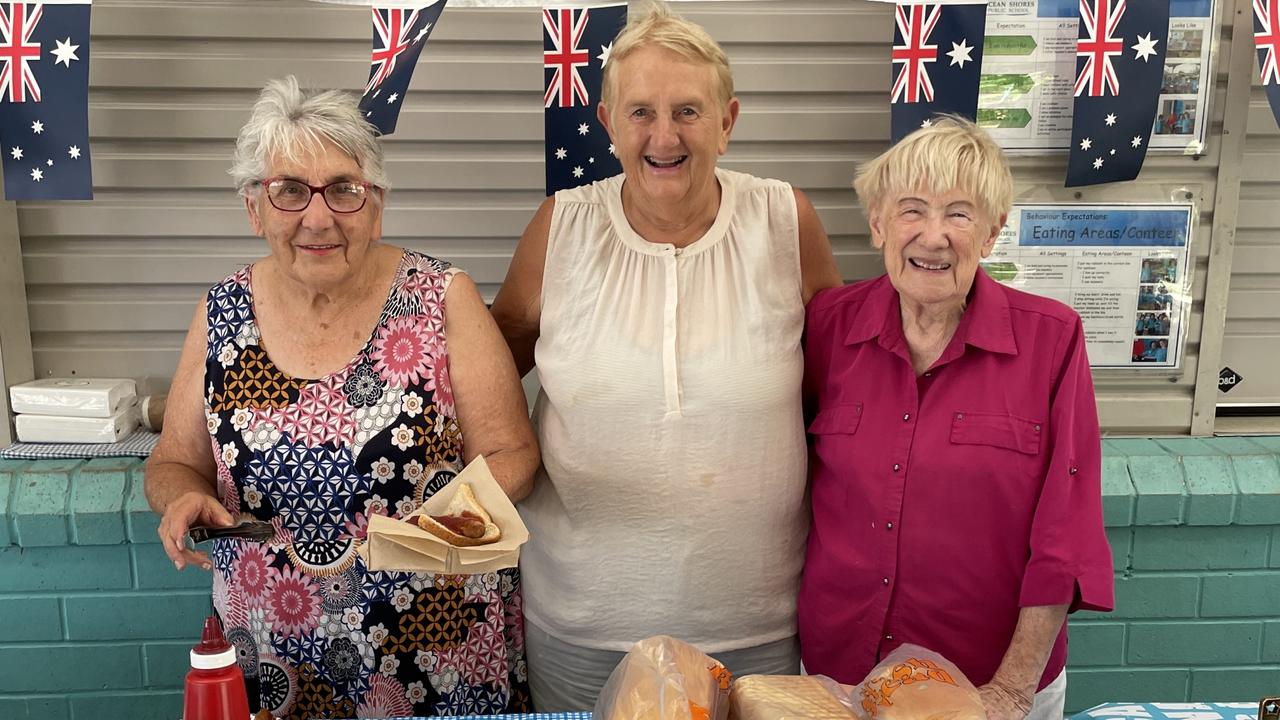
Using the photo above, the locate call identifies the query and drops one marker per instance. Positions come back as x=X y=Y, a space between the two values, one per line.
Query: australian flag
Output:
x=398 y=38
x=1119 y=68
x=575 y=48
x=937 y=62
x=44 y=100
x=1266 y=38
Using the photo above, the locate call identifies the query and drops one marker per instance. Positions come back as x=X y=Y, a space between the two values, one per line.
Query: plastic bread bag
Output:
x=790 y=697
x=662 y=678
x=913 y=683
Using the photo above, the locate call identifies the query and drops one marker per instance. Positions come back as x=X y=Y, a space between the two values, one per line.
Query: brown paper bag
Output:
x=403 y=546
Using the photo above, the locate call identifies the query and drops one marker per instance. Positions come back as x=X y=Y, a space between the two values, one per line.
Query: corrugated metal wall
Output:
x=1251 y=345
x=111 y=283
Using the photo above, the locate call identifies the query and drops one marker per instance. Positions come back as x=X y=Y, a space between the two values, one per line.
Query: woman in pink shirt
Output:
x=954 y=443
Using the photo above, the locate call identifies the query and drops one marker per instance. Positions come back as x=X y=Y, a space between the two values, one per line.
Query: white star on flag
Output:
x=1085 y=144
x=37 y=127
x=49 y=162
x=591 y=160
x=37 y=174
x=392 y=98
x=959 y=54
x=74 y=152
x=423 y=32
x=1097 y=164
x=65 y=52
x=577 y=171
x=561 y=153
x=926 y=123
x=603 y=57
x=1137 y=140
x=611 y=152
x=16 y=152
x=1113 y=151
x=1110 y=119
x=583 y=129
x=1145 y=48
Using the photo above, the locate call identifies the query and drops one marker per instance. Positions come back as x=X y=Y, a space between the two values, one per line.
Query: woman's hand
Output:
x=190 y=508
x=1003 y=702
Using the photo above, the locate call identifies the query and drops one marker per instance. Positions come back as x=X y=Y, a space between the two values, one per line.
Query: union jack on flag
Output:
x=576 y=43
x=916 y=24
x=44 y=100
x=1266 y=38
x=17 y=52
x=398 y=38
x=564 y=27
x=1099 y=22
x=939 y=48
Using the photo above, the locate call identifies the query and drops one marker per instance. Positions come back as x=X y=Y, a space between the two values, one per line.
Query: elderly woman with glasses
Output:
x=955 y=454
x=336 y=379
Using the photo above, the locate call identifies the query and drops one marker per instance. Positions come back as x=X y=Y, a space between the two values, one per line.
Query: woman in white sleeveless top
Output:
x=663 y=310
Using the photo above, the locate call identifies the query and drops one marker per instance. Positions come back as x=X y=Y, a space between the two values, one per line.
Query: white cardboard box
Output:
x=51 y=428
x=73 y=397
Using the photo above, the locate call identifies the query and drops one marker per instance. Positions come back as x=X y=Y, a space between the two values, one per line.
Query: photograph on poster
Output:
x=1154 y=297
x=1176 y=117
x=1181 y=78
x=1151 y=324
x=1185 y=43
x=1159 y=270
x=1150 y=351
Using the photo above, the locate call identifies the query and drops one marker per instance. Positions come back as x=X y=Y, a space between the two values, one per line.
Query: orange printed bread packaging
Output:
x=788 y=697
x=913 y=683
x=662 y=678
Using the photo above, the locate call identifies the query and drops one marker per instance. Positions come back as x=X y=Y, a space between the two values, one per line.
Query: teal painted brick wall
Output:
x=1197 y=583
x=97 y=623
x=1194 y=527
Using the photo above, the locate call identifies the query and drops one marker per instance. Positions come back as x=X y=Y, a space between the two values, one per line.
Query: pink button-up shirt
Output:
x=944 y=503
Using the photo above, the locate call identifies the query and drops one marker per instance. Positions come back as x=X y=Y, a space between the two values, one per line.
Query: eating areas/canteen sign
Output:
x=1123 y=267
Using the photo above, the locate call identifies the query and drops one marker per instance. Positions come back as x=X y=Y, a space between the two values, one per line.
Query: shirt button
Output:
x=896 y=467
x=1072 y=471
x=888 y=526
x=959 y=416
x=928 y=374
x=889 y=637
x=906 y=417
x=1037 y=428
x=886 y=581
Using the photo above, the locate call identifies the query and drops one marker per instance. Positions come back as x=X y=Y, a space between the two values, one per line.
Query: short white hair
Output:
x=286 y=120
x=951 y=154
x=655 y=25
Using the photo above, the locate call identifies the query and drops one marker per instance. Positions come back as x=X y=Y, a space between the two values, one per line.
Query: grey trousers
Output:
x=567 y=678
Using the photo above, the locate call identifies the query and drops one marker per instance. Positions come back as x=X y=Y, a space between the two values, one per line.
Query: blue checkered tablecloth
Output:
x=139 y=444
x=1167 y=711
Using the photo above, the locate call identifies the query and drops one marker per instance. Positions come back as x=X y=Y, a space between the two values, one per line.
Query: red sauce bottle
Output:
x=215 y=686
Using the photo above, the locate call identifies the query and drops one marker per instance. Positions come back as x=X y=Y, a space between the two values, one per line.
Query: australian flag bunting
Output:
x=1120 y=54
x=399 y=34
x=575 y=48
x=1266 y=38
x=937 y=62
x=44 y=100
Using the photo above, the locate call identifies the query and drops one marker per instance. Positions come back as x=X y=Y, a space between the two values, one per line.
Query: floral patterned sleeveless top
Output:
x=319 y=635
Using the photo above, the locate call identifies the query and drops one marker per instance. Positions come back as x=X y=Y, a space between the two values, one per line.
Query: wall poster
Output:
x=1028 y=74
x=1123 y=267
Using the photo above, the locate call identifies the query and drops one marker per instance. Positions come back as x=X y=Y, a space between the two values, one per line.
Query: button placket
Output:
x=670 y=326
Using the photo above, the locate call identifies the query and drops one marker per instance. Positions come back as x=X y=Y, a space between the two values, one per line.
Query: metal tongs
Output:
x=254 y=530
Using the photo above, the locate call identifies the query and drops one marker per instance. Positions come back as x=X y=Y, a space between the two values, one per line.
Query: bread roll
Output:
x=784 y=697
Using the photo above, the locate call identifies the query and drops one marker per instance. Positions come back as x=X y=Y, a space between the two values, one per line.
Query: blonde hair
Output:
x=656 y=25
x=950 y=154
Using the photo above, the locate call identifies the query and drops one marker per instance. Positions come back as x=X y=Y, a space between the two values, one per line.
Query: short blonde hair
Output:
x=951 y=154
x=656 y=25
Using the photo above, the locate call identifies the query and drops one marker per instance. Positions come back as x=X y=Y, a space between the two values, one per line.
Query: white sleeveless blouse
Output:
x=673 y=495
